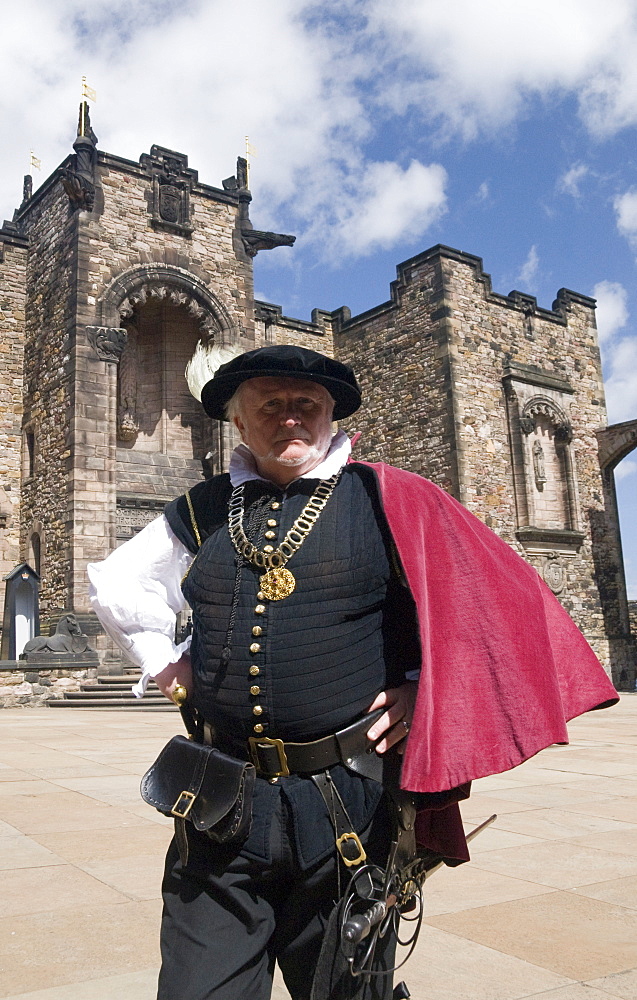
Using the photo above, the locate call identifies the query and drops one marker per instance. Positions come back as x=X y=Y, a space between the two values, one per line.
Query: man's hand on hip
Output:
x=175 y=674
x=395 y=722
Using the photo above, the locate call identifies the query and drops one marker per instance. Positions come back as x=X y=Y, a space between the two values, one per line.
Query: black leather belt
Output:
x=275 y=758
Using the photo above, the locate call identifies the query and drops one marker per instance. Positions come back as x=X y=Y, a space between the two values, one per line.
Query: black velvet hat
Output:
x=283 y=361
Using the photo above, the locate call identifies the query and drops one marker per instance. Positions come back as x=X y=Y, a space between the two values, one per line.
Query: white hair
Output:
x=205 y=362
x=232 y=408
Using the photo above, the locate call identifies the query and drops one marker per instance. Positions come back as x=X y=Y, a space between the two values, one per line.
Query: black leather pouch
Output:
x=204 y=786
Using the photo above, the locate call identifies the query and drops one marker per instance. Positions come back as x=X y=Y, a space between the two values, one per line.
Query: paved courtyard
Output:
x=547 y=908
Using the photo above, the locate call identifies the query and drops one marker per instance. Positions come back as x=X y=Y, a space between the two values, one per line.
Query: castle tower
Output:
x=502 y=403
x=112 y=272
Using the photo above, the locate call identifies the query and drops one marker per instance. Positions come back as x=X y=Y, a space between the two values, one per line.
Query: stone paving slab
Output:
x=546 y=909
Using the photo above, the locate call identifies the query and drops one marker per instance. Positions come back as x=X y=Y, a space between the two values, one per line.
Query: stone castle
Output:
x=113 y=270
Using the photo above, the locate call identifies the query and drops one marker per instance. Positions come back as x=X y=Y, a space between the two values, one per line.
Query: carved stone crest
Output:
x=169 y=202
x=554 y=573
x=172 y=182
x=107 y=341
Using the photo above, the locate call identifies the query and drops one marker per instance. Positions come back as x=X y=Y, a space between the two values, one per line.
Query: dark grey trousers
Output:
x=228 y=918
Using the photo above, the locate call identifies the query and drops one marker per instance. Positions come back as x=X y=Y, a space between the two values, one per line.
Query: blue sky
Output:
x=506 y=129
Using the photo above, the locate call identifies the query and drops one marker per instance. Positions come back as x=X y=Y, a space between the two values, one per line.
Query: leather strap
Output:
x=273 y=758
x=181 y=839
x=348 y=844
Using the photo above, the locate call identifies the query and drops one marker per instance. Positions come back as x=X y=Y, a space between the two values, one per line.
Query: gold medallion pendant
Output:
x=277 y=584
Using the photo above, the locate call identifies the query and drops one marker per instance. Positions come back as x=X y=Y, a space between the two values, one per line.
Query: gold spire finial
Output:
x=88 y=94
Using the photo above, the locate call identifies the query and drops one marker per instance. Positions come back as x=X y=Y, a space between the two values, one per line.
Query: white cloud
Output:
x=619 y=354
x=528 y=271
x=483 y=191
x=569 y=182
x=621 y=385
x=626 y=211
x=391 y=204
x=197 y=78
x=479 y=68
x=626 y=468
x=612 y=308
x=311 y=83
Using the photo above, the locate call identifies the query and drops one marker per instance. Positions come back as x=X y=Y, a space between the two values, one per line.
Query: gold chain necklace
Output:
x=278 y=582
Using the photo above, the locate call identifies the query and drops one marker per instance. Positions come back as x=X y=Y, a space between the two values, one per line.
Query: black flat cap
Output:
x=283 y=361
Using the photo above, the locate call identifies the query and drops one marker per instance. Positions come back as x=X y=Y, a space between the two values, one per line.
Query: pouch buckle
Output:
x=183 y=805
x=340 y=841
x=255 y=741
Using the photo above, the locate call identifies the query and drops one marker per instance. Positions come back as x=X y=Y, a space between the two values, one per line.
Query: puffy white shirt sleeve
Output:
x=136 y=594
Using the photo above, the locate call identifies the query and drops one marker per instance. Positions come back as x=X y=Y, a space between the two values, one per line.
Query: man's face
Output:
x=286 y=424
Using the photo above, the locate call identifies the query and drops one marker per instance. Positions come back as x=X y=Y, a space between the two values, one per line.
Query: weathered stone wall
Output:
x=400 y=352
x=13 y=262
x=271 y=327
x=48 y=384
x=21 y=685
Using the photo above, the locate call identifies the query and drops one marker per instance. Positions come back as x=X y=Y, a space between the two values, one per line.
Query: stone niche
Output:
x=548 y=517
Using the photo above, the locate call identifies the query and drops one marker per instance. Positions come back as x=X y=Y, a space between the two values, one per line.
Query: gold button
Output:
x=260 y=596
x=275 y=505
x=257 y=630
x=258 y=728
x=255 y=647
x=268 y=548
x=257 y=710
x=270 y=534
x=255 y=689
x=254 y=670
x=271 y=523
x=260 y=609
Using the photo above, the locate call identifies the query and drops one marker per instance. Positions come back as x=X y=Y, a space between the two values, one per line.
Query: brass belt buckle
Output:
x=361 y=850
x=255 y=741
x=183 y=805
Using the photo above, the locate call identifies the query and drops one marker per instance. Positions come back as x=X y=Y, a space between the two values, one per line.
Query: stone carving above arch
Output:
x=160 y=292
x=543 y=406
x=165 y=281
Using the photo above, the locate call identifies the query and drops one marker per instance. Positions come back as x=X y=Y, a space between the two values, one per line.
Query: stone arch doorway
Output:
x=164 y=442
x=157 y=418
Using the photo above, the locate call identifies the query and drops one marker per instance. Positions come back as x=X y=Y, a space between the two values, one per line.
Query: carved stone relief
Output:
x=134 y=513
x=554 y=572
x=107 y=341
x=538 y=465
x=159 y=291
x=127 y=425
x=172 y=182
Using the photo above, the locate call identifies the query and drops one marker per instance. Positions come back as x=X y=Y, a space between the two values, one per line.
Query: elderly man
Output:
x=321 y=590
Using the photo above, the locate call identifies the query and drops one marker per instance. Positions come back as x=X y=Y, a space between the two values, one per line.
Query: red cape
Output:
x=503 y=665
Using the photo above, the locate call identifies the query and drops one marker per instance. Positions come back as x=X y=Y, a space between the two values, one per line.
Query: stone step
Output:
x=108 y=684
x=118 y=678
x=114 y=691
x=100 y=688
x=135 y=705
x=98 y=694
